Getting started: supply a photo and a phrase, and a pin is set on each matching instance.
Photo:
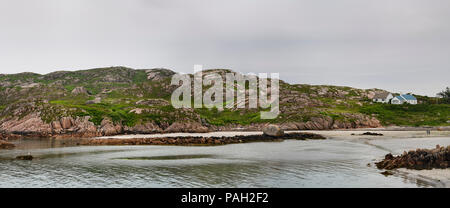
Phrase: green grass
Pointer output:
(334, 115)
(69, 87)
(304, 89)
(116, 112)
(140, 76)
(20, 76)
(410, 115)
(220, 118)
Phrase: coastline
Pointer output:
(436, 177)
(11, 135)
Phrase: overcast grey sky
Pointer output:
(397, 45)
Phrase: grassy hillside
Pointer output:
(131, 97)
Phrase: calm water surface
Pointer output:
(292, 163)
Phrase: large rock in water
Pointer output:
(418, 159)
(273, 130)
(25, 157)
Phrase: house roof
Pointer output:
(409, 97)
(400, 98)
(406, 97)
(381, 95)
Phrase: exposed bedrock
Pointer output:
(32, 125)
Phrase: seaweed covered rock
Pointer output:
(199, 140)
(372, 134)
(418, 159)
(25, 157)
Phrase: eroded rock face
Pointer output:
(79, 90)
(66, 122)
(418, 159)
(56, 125)
(324, 123)
(108, 128)
(85, 128)
(146, 128)
(273, 130)
(192, 127)
(29, 124)
(33, 125)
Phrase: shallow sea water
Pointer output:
(291, 163)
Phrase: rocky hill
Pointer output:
(118, 100)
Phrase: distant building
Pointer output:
(383, 97)
(406, 98)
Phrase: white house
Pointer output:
(406, 98)
(383, 97)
